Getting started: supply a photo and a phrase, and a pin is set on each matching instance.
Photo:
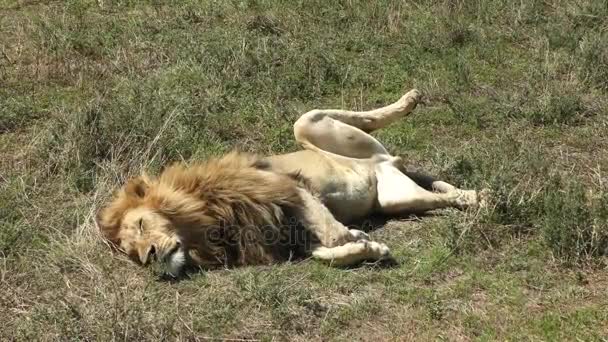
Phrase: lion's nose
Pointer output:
(152, 253)
(148, 255)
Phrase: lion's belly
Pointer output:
(351, 194)
(347, 187)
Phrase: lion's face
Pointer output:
(137, 229)
(147, 236)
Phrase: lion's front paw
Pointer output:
(352, 253)
(377, 250)
(384, 250)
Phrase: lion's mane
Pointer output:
(228, 211)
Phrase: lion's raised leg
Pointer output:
(352, 252)
(343, 132)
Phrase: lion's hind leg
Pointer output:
(352, 253)
(465, 198)
(398, 193)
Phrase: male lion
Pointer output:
(242, 209)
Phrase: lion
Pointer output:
(245, 209)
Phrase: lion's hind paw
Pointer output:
(359, 235)
(484, 196)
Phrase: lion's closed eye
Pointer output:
(140, 225)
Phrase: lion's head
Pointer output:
(222, 212)
(139, 230)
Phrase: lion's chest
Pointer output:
(350, 193)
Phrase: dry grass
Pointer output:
(94, 91)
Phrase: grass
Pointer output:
(92, 92)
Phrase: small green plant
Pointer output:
(559, 109)
(574, 225)
(435, 307)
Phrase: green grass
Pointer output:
(92, 92)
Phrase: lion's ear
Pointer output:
(138, 187)
(107, 223)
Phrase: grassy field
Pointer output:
(516, 100)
